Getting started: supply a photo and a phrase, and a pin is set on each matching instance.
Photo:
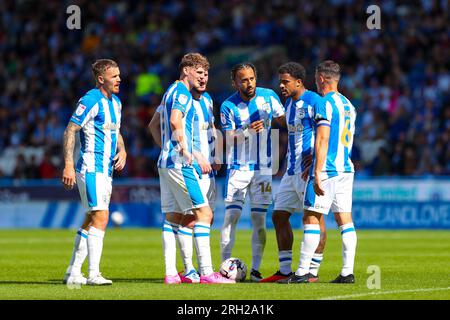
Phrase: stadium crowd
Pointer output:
(397, 77)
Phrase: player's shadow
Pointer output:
(50, 281)
(138, 280)
(59, 281)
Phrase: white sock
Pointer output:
(169, 233)
(311, 239)
(285, 261)
(186, 248)
(227, 233)
(201, 238)
(315, 263)
(79, 254)
(349, 241)
(95, 247)
(258, 236)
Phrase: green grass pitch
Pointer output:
(413, 265)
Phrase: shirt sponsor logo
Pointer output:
(295, 128)
(110, 126)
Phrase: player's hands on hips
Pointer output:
(187, 156)
(305, 174)
(68, 178)
(120, 160)
(257, 125)
(307, 161)
(205, 167)
(216, 166)
(317, 185)
(204, 164)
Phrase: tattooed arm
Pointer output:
(121, 156)
(68, 177)
(155, 128)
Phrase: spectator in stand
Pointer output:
(44, 65)
(47, 169)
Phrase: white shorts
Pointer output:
(95, 190)
(208, 186)
(181, 190)
(238, 183)
(290, 194)
(338, 195)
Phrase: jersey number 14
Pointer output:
(266, 188)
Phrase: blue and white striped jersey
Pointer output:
(178, 97)
(236, 113)
(204, 126)
(99, 119)
(301, 126)
(337, 112)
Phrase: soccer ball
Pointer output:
(117, 218)
(234, 269)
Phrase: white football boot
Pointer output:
(98, 280)
(78, 279)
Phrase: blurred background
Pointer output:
(397, 77)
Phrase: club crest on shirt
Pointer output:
(300, 113)
(266, 107)
(242, 105)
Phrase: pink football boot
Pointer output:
(172, 279)
(215, 277)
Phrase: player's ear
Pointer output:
(322, 79)
(100, 79)
(233, 84)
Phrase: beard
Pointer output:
(249, 95)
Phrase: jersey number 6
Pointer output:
(346, 133)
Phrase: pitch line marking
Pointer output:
(348, 296)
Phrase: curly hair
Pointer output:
(294, 69)
(194, 60)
